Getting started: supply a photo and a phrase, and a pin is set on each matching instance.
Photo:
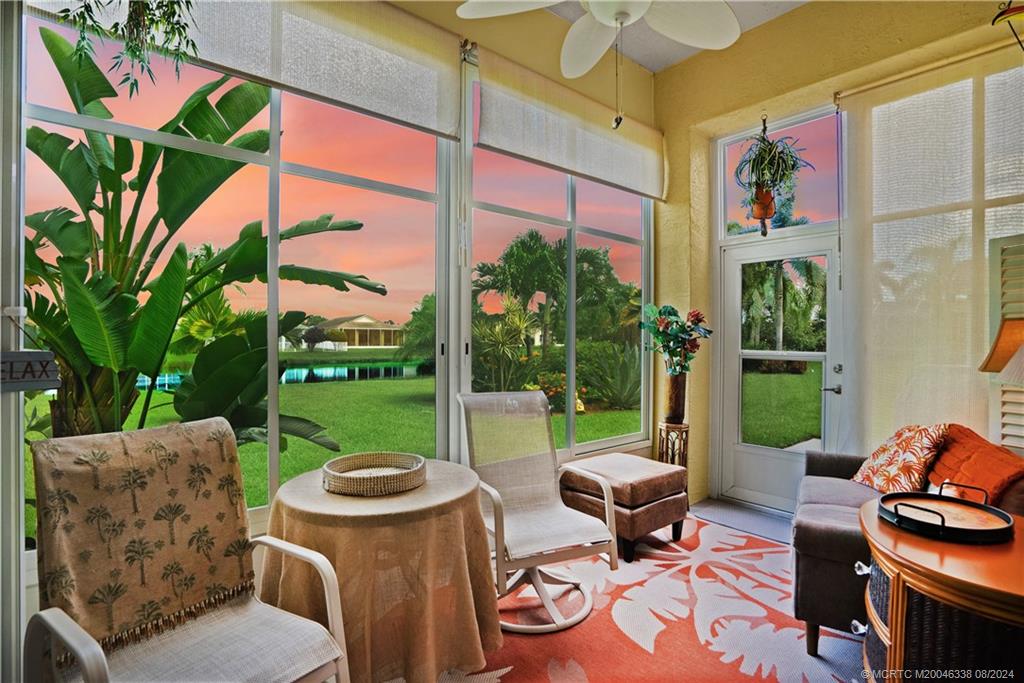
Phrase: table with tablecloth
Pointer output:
(417, 589)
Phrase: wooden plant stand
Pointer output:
(673, 443)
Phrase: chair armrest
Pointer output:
(332, 592)
(56, 623)
(499, 516)
(606, 490)
(840, 465)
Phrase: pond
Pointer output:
(301, 374)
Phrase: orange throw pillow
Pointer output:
(901, 463)
(969, 458)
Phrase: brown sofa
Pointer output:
(827, 541)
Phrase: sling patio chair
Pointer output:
(512, 449)
(145, 567)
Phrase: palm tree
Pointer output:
(94, 459)
(169, 512)
(202, 541)
(230, 486)
(138, 551)
(180, 582)
(165, 458)
(133, 481)
(107, 595)
(98, 515)
(57, 506)
(238, 549)
(220, 437)
(147, 612)
(197, 472)
(57, 584)
(112, 530)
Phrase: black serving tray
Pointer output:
(946, 516)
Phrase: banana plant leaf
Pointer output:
(68, 163)
(71, 238)
(159, 316)
(99, 315)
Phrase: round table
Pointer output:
(936, 605)
(417, 589)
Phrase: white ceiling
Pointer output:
(655, 52)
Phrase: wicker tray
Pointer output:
(374, 474)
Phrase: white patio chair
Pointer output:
(146, 572)
(512, 449)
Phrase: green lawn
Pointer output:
(781, 409)
(394, 414)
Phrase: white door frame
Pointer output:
(809, 241)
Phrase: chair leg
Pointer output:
(677, 530)
(540, 578)
(813, 630)
(628, 550)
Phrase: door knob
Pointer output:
(837, 389)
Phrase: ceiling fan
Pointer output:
(705, 24)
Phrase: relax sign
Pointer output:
(28, 370)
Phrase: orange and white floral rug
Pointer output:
(713, 606)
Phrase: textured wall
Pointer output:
(785, 66)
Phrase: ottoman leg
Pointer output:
(677, 530)
(628, 550)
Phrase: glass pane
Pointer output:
(816, 197)
(519, 309)
(600, 206)
(503, 180)
(154, 105)
(208, 224)
(783, 304)
(921, 150)
(336, 139)
(781, 404)
(609, 372)
(361, 363)
(1004, 145)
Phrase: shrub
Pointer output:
(618, 382)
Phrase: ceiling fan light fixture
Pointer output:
(616, 13)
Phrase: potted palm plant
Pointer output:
(768, 168)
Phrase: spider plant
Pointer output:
(768, 168)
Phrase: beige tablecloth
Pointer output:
(417, 592)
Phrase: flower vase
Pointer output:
(674, 411)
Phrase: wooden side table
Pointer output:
(673, 443)
(939, 606)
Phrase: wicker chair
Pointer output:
(512, 449)
(145, 566)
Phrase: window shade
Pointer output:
(933, 167)
(527, 115)
(369, 56)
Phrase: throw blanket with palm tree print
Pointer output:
(140, 531)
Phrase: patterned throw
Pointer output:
(141, 531)
(901, 463)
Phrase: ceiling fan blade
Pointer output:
(707, 24)
(485, 9)
(585, 43)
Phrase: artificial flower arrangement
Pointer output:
(677, 339)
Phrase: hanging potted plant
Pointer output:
(768, 168)
(677, 339)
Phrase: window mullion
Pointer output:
(570, 323)
(273, 295)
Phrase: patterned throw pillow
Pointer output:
(901, 463)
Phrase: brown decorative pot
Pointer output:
(676, 399)
(763, 207)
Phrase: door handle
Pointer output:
(837, 389)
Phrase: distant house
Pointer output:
(363, 331)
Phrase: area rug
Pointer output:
(713, 606)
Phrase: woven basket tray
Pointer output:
(374, 474)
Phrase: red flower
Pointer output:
(662, 322)
(695, 317)
(692, 345)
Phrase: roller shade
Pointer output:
(368, 56)
(527, 115)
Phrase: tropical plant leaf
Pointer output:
(188, 179)
(308, 430)
(159, 315)
(36, 269)
(99, 315)
(83, 80)
(330, 278)
(220, 391)
(217, 354)
(248, 259)
(324, 223)
(55, 330)
(71, 238)
(256, 329)
(68, 163)
(242, 103)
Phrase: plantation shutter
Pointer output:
(368, 56)
(532, 117)
(1006, 268)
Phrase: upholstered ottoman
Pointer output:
(648, 495)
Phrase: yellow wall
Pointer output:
(534, 40)
(788, 65)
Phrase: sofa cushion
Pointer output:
(831, 532)
(635, 481)
(901, 463)
(969, 458)
(832, 491)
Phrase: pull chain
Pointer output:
(617, 121)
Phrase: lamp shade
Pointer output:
(1013, 371)
(1008, 340)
